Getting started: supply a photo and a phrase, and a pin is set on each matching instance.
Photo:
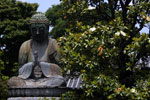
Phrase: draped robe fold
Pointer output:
(26, 57)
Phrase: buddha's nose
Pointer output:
(37, 32)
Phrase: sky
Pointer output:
(43, 4)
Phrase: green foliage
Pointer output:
(57, 21)
(14, 29)
(105, 51)
(3, 81)
(71, 95)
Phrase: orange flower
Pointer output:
(65, 17)
(100, 49)
(118, 90)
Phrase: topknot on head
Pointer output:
(39, 18)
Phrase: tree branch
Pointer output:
(124, 9)
(113, 5)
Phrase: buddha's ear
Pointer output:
(47, 26)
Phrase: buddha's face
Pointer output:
(39, 32)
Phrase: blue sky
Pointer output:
(43, 4)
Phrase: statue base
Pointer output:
(36, 93)
(34, 98)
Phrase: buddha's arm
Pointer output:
(25, 67)
(24, 53)
(57, 54)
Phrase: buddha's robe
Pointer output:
(48, 62)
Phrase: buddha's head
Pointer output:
(39, 27)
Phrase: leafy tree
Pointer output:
(14, 17)
(55, 15)
(14, 22)
(3, 80)
(104, 44)
(59, 23)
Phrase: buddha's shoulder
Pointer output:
(25, 44)
(51, 40)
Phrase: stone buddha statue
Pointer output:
(38, 58)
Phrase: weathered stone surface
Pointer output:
(39, 58)
(33, 98)
(37, 92)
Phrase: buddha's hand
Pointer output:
(36, 61)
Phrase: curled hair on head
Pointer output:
(39, 18)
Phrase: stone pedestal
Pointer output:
(33, 98)
(36, 93)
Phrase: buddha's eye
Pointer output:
(34, 29)
(41, 29)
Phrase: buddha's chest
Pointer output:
(42, 55)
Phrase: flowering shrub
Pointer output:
(105, 52)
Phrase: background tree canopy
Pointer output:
(103, 44)
(14, 30)
(55, 15)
